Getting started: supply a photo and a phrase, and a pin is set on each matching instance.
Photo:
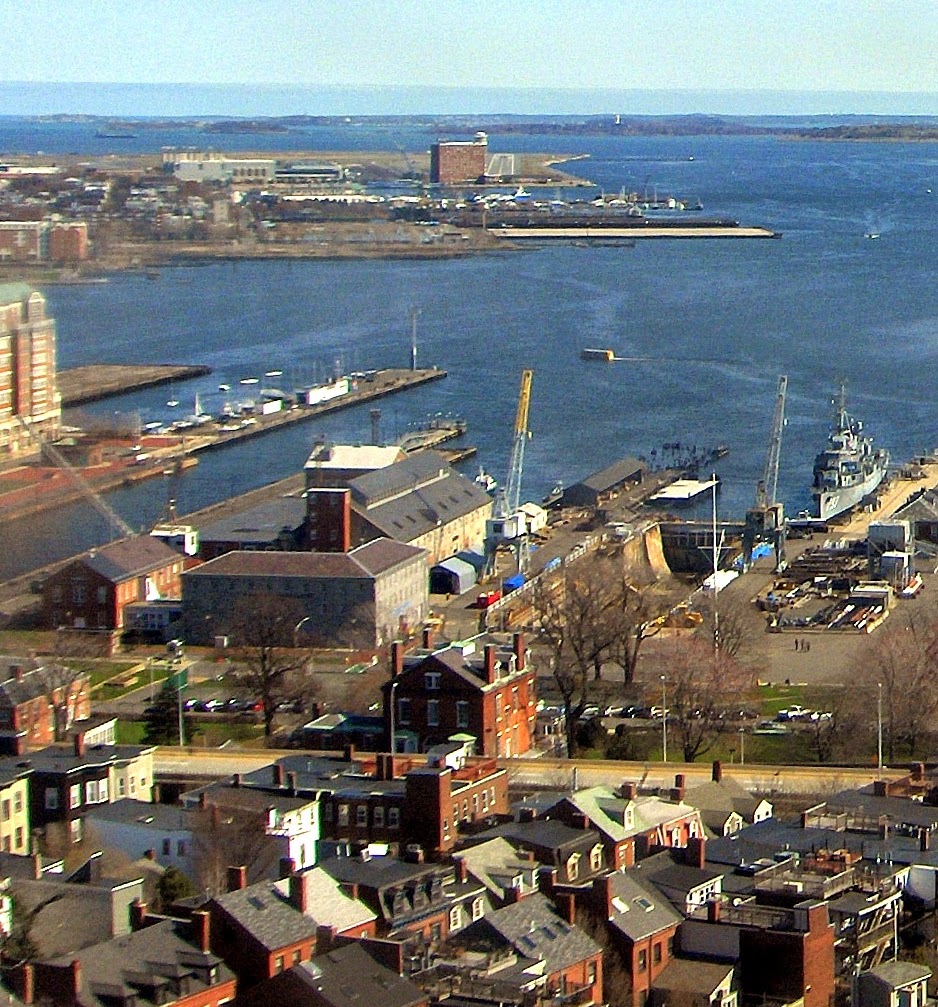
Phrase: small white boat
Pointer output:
(250, 381)
(871, 234)
(173, 403)
(272, 374)
(224, 388)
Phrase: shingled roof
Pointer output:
(131, 557)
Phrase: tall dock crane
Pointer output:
(507, 525)
(766, 520)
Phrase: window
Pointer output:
(573, 867)
(121, 786)
(591, 972)
(455, 918)
(462, 713)
(296, 957)
(431, 681)
(642, 960)
(394, 818)
(74, 795)
(102, 791)
(5, 810)
(7, 844)
(378, 816)
(403, 710)
(343, 814)
(478, 909)
(596, 858)
(433, 713)
(485, 800)
(656, 953)
(279, 963)
(361, 815)
(180, 848)
(102, 595)
(167, 847)
(19, 837)
(75, 828)
(52, 799)
(670, 947)
(436, 932)
(327, 813)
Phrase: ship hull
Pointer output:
(828, 503)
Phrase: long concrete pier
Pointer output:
(606, 234)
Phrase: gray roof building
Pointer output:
(604, 483)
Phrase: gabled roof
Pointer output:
(548, 834)
(34, 679)
(724, 796)
(132, 557)
(535, 930)
(609, 477)
(638, 910)
(53, 759)
(344, 977)
(682, 975)
(494, 862)
(160, 951)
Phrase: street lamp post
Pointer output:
(182, 726)
(393, 739)
(664, 720)
(742, 746)
(879, 729)
(298, 627)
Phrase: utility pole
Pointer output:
(879, 728)
(664, 720)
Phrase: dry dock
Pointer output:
(79, 385)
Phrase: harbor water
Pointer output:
(708, 324)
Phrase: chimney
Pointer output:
(520, 650)
(76, 980)
(203, 800)
(350, 888)
(629, 791)
(527, 814)
(28, 988)
(397, 658)
(150, 854)
(881, 788)
(37, 866)
(680, 781)
(201, 924)
(566, 905)
(490, 651)
(462, 870)
(696, 853)
(580, 821)
(325, 935)
(428, 638)
(717, 773)
(883, 829)
(237, 878)
(713, 911)
(236, 780)
(79, 743)
(138, 914)
(287, 867)
(298, 892)
(602, 895)
(547, 881)
(924, 840)
(17, 670)
(291, 784)
(511, 895)
(278, 774)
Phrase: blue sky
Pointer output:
(839, 46)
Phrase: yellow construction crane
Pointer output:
(516, 468)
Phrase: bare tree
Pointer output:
(65, 687)
(264, 631)
(901, 666)
(701, 683)
(230, 836)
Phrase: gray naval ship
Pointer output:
(848, 469)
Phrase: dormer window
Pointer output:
(573, 867)
(596, 857)
(628, 818)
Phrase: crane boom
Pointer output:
(768, 487)
(513, 493)
(117, 523)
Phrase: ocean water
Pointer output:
(714, 323)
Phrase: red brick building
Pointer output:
(38, 703)
(262, 929)
(91, 592)
(460, 691)
(68, 242)
(453, 162)
(28, 390)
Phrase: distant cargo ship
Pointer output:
(595, 354)
(848, 469)
(115, 134)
